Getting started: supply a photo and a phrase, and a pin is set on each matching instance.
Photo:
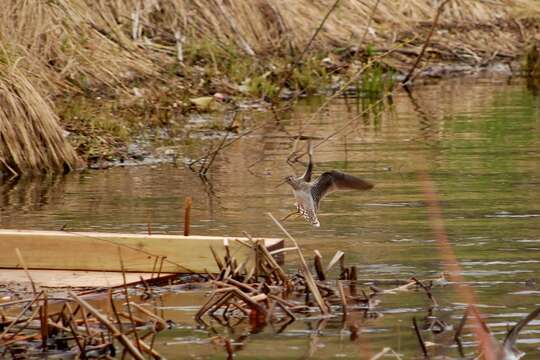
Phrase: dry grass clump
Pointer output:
(262, 26)
(31, 139)
(72, 44)
(86, 45)
(51, 48)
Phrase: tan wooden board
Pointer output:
(70, 278)
(62, 250)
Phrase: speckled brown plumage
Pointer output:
(308, 194)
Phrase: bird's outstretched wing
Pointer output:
(334, 180)
(309, 170)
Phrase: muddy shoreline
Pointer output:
(144, 146)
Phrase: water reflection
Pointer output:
(479, 139)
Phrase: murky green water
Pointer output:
(478, 139)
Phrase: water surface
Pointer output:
(478, 139)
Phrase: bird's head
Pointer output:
(292, 181)
(285, 180)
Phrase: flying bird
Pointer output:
(308, 194)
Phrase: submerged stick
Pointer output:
(342, 298)
(352, 280)
(128, 305)
(212, 300)
(23, 263)
(159, 320)
(21, 314)
(206, 166)
(427, 290)
(85, 320)
(420, 339)
(227, 144)
(459, 329)
(73, 328)
(115, 312)
(265, 254)
(229, 349)
(44, 320)
(317, 263)
(305, 270)
(123, 339)
(187, 215)
(26, 324)
(150, 350)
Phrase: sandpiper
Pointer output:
(309, 193)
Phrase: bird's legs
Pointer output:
(297, 213)
(309, 169)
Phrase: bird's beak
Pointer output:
(281, 183)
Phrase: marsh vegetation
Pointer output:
(105, 71)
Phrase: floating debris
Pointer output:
(266, 295)
(72, 326)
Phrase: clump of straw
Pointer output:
(30, 138)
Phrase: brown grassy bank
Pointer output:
(151, 57)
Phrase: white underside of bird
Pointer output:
(307, 210)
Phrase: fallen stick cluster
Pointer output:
(71, 325)
(266, 294)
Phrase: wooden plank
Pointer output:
(71, 278)
(64, 250)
